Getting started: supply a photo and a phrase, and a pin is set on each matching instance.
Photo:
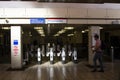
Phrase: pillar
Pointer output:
(91, 42)
(16, 48)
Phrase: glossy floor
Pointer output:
(59, 71)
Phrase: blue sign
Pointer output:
(15, 42)
(37, 21)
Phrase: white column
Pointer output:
(91, 42)
(16, 48)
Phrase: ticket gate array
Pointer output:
(52, 52)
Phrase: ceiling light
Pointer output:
(83, 31)
(56, 35)
(62, 31)
(6, 28)
(43, 35)
(100, 27)
(40, 30)
(69, 28)
(70, 34)
(38, 27)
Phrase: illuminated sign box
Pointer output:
(56, 21)
(15, 42)
(37, 21)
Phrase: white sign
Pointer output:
(56, 21)
(14, 21)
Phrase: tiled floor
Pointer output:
(58, 71)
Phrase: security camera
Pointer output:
(7, 21)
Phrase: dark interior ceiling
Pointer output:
(54, 28)
(72, 1)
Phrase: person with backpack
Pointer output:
(98, 54)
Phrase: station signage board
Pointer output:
(37, 21)
(52, 20)
(15, 47)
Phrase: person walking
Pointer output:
(97, 54)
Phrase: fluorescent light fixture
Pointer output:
(5, 28)
(38, 28)
(83, 31)
(70, 34)
(56, 35)
(62, 31)
(100, 27)
(41, 32)
(69, 28)
(42, 35)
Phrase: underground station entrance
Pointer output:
(53, 43)
(57, 51)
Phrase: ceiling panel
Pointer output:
(72, 1)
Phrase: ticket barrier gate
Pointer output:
(39, 56)
(51, 55)
(75, 59)
(63, 56)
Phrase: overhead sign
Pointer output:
(37, 21)
(56, 21)
(14, 21)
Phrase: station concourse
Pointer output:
(52, 40)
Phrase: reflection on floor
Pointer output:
(59, 71)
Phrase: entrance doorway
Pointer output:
(56, 36)
(5, 44)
